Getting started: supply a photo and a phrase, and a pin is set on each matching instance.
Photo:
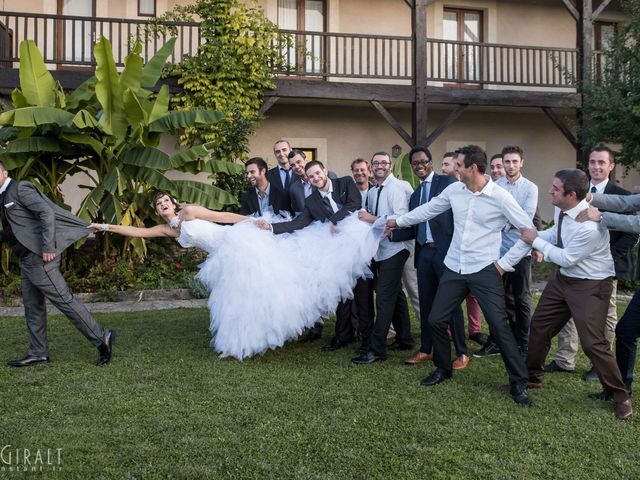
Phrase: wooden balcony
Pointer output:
(318, 65)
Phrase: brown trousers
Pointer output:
(587, 301)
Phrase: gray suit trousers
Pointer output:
(43, 280)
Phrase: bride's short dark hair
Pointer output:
(160, 194)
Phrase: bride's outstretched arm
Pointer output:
(191, 212)
(127, 231)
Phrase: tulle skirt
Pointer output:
(266, 289)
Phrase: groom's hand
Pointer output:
(48, 256)
(263, 224)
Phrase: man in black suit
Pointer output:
(601, 164)
(281, 176)
(332, 201)
(262, 196)
(432, 240)
(38, 231)
(301, 186)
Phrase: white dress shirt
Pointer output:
(393, 201)
(478, 218)
(526, 194)
(328, 194)
(5, 185)
(585, 253)
(599, 187)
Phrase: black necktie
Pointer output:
(286, 178)
(559, 238)
(327, 203)
(380, 187)
(594, 190)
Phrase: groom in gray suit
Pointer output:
(38, 231)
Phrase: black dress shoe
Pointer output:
(335, 345)
(591, 376)
(479, 338)
(554, 367)
(437, 376)
(106, 349)
(311, 336)
(367, 358)
(400, 346)
(520, 394)
(28, 361)
(603, 395)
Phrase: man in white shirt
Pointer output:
(517, 284)
(481, 210)
(580, 288)
(601, 164)
(387, 199)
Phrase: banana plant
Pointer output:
(108, 128)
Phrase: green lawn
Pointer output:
(167, 407)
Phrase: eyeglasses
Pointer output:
(421, 162)
(380, 164)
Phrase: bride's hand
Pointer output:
(263, 224)
(334, 228)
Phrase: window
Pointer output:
(462, 60)
(310, 153)
(146, 8)
(307, 16)
(75, 37)
(604, 33)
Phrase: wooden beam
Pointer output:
(562, 126)
(409, 2)
(393, 122)
(268, 103)
(572, 9)
(419, 111)
(453, 116)
(604, 4)
(365, 92)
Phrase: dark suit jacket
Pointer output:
(345, 193)
(621, 243)
(36, 222)
(278, 200)
(441, 226)
(296, 193)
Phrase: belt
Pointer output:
(430, 245)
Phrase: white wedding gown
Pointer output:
(266, 288)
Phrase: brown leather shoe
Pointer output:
(461, 362)
(419, 357)
(623, 409)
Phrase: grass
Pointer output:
(167, 407)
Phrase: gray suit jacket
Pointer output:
(36, 222)
(618, 203)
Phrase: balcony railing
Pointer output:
(67, 41)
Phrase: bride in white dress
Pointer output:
(265, 289)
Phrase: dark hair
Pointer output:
(313, 163)
(359, 160)
(573, 181)
(282, 141)
(382, 153)
(601, 147)
(420, 148)
(2, 167)
(258, 162)
(449, 154)
(497, 155)
(295, 152)
(160, 194)
(474, 155)
(512, 149)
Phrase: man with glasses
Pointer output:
(432, 240)
(387, 199)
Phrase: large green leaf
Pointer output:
(84, 140)
(109, 91)
(402, 170)
(82, 95)
(161, 106)
(8, 133)
(135, 114)
(36, 82)
(34, 116)
(18, 99)
(153, 69)
(198, 193)
(156, 179)
(190, 155)
(83, 119)
(112, 180)
(91, 204)
(13, 161)
(178, 120)
(132, 73)
(149, 157)
(34, 145)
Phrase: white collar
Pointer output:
(5, 185)
(328, 192)
(573, 212)
(599, 187)
(429, 179)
